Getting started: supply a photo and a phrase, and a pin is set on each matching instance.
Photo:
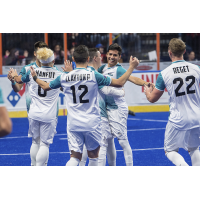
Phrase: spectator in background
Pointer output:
(100, 47)
(14, 58)
(58, 55)
(7, 53)
(70, 57)
(25, 60)
(191, 56)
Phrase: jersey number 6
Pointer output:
(82, 95)
(39, 91)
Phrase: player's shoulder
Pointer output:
(100, 70)
(91, 68)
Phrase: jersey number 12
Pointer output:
(80, 87)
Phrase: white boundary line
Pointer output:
(151, 120)
(18, 137)
(21, 154)
(146, 129)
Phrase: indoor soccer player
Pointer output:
(182, 80)
(81, 87)
(5, 122)
(117, 108)
(17, 87)
(108, 145)
(43, 110)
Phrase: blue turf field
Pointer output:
(145, 133)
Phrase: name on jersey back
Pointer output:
(77, 77)
(45, 74)
(181, 69)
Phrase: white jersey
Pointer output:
(80, 87)
(181, 79)
(44, 104)
(114, 102)
(23, 72)
(106, 90)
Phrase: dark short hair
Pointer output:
(81, 54)
(40, 44)
(177, 47)
(115, 46)
(92, 53)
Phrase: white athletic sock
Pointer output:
(42, 155)
(73, 162)
(84, 157)
(93, 162)
(34, 150)
(176, 158)
(195, 157)
(102, 156)
(111, 152)
(127, 152)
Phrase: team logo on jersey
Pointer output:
(14, 97)
(110, 74)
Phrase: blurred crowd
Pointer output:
(17, 56)
(132, 44)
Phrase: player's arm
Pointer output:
(5, 122)
(111, 91)
(137, 81)
(16, 86)
(45, 86)
(122, 80)
(15, 77)
(154, 94)
(68, 66)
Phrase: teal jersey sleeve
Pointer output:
(23, 71)
(120, 71)
(101, 69)
(55, 83)
(1, 97)
(102, 80)
(160, 84)
(25, 78)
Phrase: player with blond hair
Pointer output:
(80, 87)
(182, 81)
(43, 110)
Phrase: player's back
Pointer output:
(44, 104)
(182, 79)
(81, 90)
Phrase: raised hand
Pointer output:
(134, 62)
(33, 73)
(68, 66)
(10, 77)
(13, 73)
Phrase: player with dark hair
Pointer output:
(81, 87)
(117, 108)
(108, 145)
(182, 81)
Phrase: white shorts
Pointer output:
(118, 122)
(175, 139)
(91, 139)
(45, 131)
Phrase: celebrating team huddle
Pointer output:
(95, 102)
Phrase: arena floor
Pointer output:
(145, 133)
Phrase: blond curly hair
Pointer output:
(44, 53)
